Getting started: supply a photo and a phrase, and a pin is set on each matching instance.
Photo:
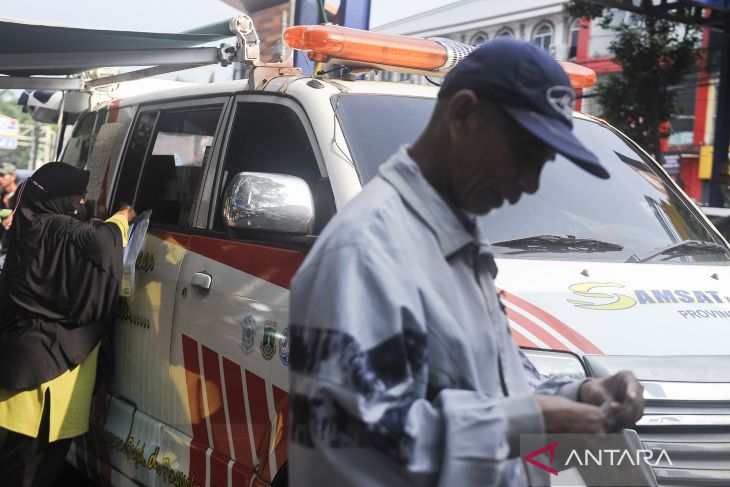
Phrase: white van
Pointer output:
(596, 276)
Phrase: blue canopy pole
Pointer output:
(306, 12)
(353, 13)
(357, 14)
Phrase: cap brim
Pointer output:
(560, 137)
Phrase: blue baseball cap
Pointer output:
(531, 87)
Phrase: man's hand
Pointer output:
(561, 415)
(621, 393)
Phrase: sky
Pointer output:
(171, 16)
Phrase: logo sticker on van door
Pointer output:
(268, 342)
(248, 334)
(601, 300)
(616, 301)
(284, 347)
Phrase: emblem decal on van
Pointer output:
(248, 334)
(268, 341)
(284, 347)
(616, 301)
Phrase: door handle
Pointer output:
(202, 280)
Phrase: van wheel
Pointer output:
(282, 477)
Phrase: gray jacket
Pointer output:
(403, 370)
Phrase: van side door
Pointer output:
(169, 151)
(231, 314)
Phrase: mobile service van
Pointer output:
(596, 276)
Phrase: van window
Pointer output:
(133, 159)
(270, 137)
(634, 212)
(96, 145)
(174, 169)
(77, 149)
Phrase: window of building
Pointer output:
(601, 37)
(505, 32)
(573, 39)
(543, 36)
(479, 38)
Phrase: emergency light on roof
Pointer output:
(428, 57)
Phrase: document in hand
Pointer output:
(137, 234)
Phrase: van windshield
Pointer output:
(635, 216)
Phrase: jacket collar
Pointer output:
(453, 228)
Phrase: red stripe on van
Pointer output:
(237, 413)
(198, 445)
(521, 340)
(214, 395)
(535, 329)
(281, 405)
(218, 469)
(239, 476)
(580, 342)
(259, 407)
(197, 468)
(178, 239)
(269, 263)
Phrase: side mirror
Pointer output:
(270, 203)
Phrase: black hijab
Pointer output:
(60, 281)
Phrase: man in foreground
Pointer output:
(403, 370)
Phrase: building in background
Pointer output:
(687, 151)
(478, 21)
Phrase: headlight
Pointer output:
(556, 365)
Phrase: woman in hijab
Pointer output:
(58, 292)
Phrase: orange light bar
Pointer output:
(580, 76)
(329, 41)
(325, 42)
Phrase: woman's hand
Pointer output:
(127, 211)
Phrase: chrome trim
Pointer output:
(690, 421)
(686, 391)
(634, 442)
(686, 448)
(455, 52)
(716, 477)
(269, 202)
(676, 368)
(684, 420)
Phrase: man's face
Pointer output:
(6, 179)
(495, 160)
